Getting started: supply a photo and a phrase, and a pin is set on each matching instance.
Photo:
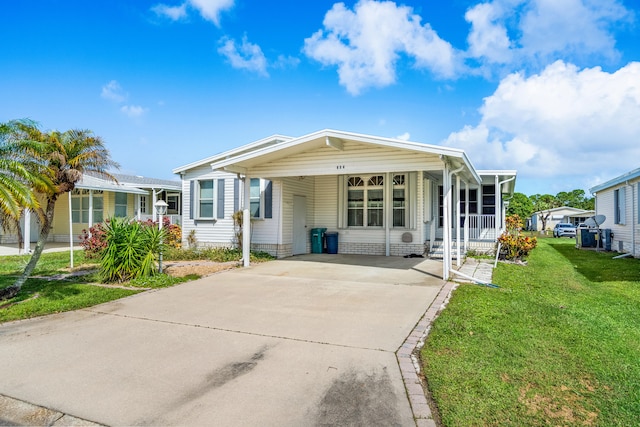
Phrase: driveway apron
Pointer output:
(303, 341)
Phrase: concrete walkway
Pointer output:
(309, 340)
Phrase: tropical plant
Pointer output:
(18, 176)
(93, 241)
(60, 159)
(514, 245)
(131, 250)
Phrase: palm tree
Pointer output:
(63, 158)
(18, 175)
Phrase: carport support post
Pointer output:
(466, 217)
(458, 240)
(446, 229)
(246, 223)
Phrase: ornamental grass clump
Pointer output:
(131, 251)
(513, 245)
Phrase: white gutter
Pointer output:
(634, 220)
(446, 232)
(499, 191)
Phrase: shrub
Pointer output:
(515, 246)
(131, 250)
(93, 241)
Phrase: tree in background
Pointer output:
(543, 203)
(62, 158)
(576, 199)
(520, 205)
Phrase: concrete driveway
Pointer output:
(307, 340)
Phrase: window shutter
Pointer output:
(412, 198)
(236, 195)
(220, 199)
(623, 205)
(191, 198)
(268, 200)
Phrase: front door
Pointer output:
(299, 225)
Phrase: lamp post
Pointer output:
(161, 209)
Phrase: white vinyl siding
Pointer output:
(353, 160)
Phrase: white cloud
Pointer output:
(286, 62)
(113, 92)
(174, 13)
(133, 111)
(208, 9)
(405, 136)
(367, 42)
(532, 32)
(562, 122)
(246, 56)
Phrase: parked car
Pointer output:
(564, 229)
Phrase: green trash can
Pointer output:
(317, 240)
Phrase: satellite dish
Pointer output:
(595, 221)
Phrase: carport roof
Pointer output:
(277, 146)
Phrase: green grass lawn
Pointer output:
(557, 344)
(46, 292)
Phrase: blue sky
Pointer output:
(549, 88)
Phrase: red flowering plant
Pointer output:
(93, 241)
(513, 245)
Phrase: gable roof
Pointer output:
(264, 142)
(616, 181)
(563, 208)
(276, 146)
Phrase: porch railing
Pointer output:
(482, 227)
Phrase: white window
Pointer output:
(121, 205)
(80, 206)
(365, 201)
(399, 201)
(205, 198)
(260, 198)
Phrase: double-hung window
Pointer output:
(260, 198)
(80, 206)
(205, 199)
(121, 205)
(365, 201)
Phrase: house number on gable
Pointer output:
(341, 167)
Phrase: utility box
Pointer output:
(607, 235)
(332, 242)
(317, 240)
(586, 238)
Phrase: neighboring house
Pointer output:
(383, 196)
(619, 201)
(557, 215)
(95, 199)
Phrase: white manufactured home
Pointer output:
(382, 196)
(619, 201)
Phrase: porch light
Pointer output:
(161, 209)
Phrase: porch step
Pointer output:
(437, 251)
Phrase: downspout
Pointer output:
(389, 216)
(466, 217)
(457, 198)
(446, 227)
(499, 193)
(634, 220)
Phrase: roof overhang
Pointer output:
(243, 161)
(634, 174)
(97, 184)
